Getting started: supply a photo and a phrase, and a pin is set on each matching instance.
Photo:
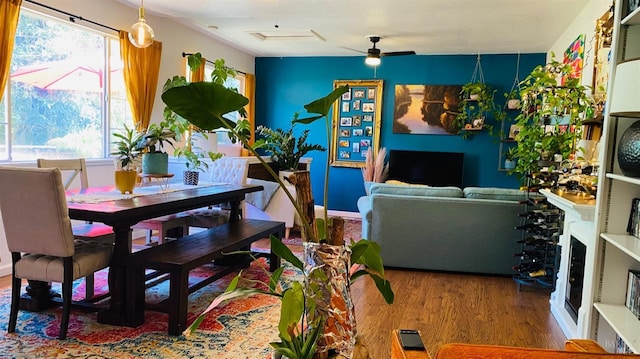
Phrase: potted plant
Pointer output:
(510, 159)
(195, 160)
(512, 99)
(376, 167)
(476, 103)
(154, 159)
(286, 150)
(126, 150)
(204, 104)
(550, 120)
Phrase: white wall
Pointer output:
(584, 23)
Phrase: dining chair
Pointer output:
(45, 251)
(223, 170)
(76, 168)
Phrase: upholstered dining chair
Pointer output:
(44, 250)
(76, 168)
(223, 170)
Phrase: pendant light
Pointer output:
(141, 34)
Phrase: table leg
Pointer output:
(122, 310)
(38, 296)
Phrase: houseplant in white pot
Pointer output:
(285, 148)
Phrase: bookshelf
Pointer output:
(617, 251)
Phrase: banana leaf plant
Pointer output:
(204, 104)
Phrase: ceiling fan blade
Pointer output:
(397, 53)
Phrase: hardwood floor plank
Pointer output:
(448, 307)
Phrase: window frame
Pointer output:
(110, 47)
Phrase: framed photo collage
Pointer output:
(356, 122)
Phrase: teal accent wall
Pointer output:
(285, 85)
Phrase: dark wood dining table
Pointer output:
(122, 214)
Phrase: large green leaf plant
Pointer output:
(554, 105)
(205, 104)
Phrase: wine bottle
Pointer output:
(543, 272)
(526, 268)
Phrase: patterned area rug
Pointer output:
(239, 329)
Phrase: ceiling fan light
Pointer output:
(141, 34)
(372, 60)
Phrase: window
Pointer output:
(65, 93)
(224, 144)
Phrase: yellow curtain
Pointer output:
(198, 76)
(9, 13)
(141, 69)
(250, 93)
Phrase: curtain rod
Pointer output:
(72, 17)
(185, 54)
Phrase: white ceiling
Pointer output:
(340, 27)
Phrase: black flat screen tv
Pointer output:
(426, 167)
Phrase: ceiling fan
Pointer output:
(374, 54)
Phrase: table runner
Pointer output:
(114, 195)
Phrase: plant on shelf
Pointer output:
(477, 102)
(285, 149)
(510, 159)
(512, 99)
(550, 119)
(305, 320)
(126, 151)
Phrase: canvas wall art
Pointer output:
(426, 109)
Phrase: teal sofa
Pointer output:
(444, 228)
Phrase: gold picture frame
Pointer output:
(356, 122)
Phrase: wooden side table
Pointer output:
(397, 352)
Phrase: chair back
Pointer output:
(72, 167)
(229, 170)
(34, 211)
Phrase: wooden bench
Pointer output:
(180, 256)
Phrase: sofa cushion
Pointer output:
(504, 194)
(416, 190)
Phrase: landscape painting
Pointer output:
(426, 109)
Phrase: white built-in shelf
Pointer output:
(624, 242)
(623, 178)
(632, 19)
(623, 322)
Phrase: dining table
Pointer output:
(121, 211)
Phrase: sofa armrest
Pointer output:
(364, 207)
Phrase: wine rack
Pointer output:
(539, 257)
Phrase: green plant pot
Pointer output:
(155, 163)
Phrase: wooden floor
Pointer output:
(449, 308)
